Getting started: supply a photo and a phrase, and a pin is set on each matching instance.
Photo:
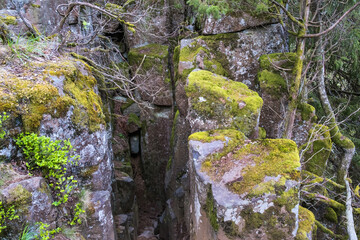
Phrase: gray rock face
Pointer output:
(40, 13)
(155, 147)
(235, 22)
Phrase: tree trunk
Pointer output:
(298, 68)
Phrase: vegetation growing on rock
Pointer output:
(229, 103)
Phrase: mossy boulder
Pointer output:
(235, 55)
(151, 62)
(317, 149)
(51, 88)
(243, 189)
(217, 102)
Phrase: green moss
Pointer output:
(331, 215)
(328, 231)
(35, 5)
(127, 104)
(262, 133)
(31, 100)
(307, 112)
(282, 60)
(312, 179)
(80, 87)
(133, 118)
(271, 157)
(20, 198)
(217, 98)
(211, 210)
(317, 153)
(289, 198)
(306, 224)
(214, 135)
(188, 53)
(328, 201)
(272, 83)
(172, 138)
(9, 20)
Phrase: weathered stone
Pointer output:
(234, 55)
(155, 150)
(42, 14)
(234, 22)
(154, 79)
(32, 201)
(99, 215)
(217, 102)
(243, 189)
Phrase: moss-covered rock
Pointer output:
(276, 62)
(273, 83)
(307, 226)
(234, 55)
(51, 88)
(317, 149)
(254, 184)
(218, 102)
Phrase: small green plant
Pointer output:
(28, 234)
(6, 215)
(77, 215)
(44, 232)
(3, 117)
(51, 157)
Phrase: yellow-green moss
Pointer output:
(262, 133)
(310, 178)
(211, 210)
(20, 198)
(152, 57)
(31, 100)
(271, 157)
(317, 153)
(217, 98)
(9, 20)
(88, 172)
(331, 215)
(307, 226)
(80, 86)
(272, 83)
(328, 231)
(283, 60)
(221, 134)
(307, 112)
(289, 198)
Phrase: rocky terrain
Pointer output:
(193, 149)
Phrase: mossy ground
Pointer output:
(216, 98)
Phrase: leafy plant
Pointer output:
(6, 215)
(51, 157)
(44, 232)
(77, 213)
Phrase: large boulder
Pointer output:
(60, 99)
(243, 189)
